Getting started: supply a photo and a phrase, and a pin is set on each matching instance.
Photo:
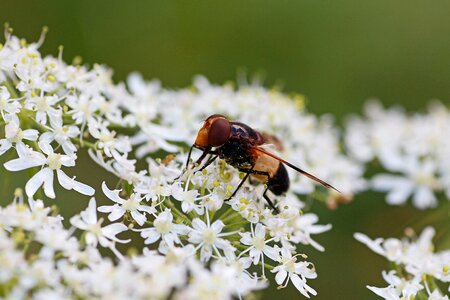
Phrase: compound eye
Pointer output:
(219, 132)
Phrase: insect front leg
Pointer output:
(189, 156)
(199, 160)
(210, 160)
(206, 151)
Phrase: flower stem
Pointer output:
(178, 212)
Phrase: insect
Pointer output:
(245, 149)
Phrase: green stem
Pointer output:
(432, 284)
(84, 143)
(236, 224)
(240, 246)
(232, 217)
(178, 212)
(226, 213)
(267, 266)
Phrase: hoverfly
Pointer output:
(243, 148)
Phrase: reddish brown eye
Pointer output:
(219, 132)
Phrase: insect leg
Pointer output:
(189, 157)
(205, 152)
(248, 172)
(265, 191)
(251, 171)
(208, 162)
(270, 201)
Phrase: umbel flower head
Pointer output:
(419, 268)
(194, 237)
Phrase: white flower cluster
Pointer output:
(50, 111)
(413, 149)
(198, 244)
(308, 141)
(39, 257)
(418, 271)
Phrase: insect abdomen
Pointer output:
(279, 183)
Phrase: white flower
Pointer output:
(391, 248)
(417, 260)
(420, 182)
(95, 233)
(188, 199)
(60, 133)
(398, 288)
(107, 140)
(8, 105)
(436, 295)
(258, 245)
(297, 272)
(15, 135)
(388, 293)
(53, 162)
(132, 205)
(82, 108)
(304, 225)
(164, 228)
(154, 138)
(43, 105)
(209, 238)
(221, 282)
(412, 148)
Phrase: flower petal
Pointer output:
(112, 194)
(19, 164)
(48, 184)
(89, 215)
(70, 183)
(36, 181)
(111, 230)
(116, 213)
(281, 276)
(138, 217)
(198, 224)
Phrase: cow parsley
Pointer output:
(418, 269)
(172, 232)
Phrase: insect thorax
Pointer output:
(236, 153)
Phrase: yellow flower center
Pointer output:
(209, 236)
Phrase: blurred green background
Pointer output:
(336, 53)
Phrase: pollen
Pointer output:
(18, 192)
(244, 201)
(51, 78)
(54, 161)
